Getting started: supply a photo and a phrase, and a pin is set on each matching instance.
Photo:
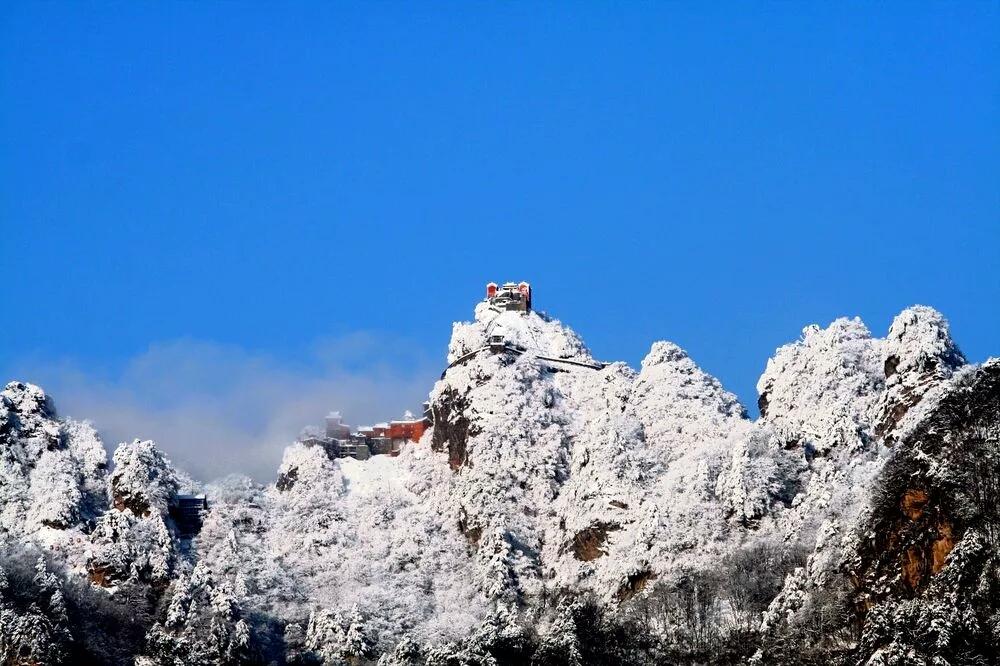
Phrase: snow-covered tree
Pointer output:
(143, 480)
(51, 470)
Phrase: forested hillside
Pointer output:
(560, 510)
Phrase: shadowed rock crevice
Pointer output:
(472, 533)
(452, 428)
(634, 584)
(286, 480)
(137, 505)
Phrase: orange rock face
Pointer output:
(942, 546)
(927, 556)
(913, 503)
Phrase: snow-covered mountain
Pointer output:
(560, 510)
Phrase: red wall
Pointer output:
(407, 430)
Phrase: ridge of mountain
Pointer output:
(554, 498)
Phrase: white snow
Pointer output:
(374, 478)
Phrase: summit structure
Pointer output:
(511, 296)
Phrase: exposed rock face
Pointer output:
(932, 492)
(473, 533)
(634, 584)
(929, 551)
(286, 479)
(452, 427)
(133, 543)
(587, 543)
(143, 479)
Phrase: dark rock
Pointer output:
(452, 428)
(137, 505)
(287, 479)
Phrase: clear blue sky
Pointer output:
(260, 176)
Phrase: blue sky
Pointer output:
(306, 195)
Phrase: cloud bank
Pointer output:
(217, 409)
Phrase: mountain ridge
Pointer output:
(548, 482)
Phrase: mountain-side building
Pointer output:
(385, 438)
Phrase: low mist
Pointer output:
(217, 409)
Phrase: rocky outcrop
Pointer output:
(286, 479)
(843, 409)
(587, 544)
(634, 584)
(143, 480)
(452, 427)
(929, 552)
(818, 391)
(932, 491)
(133, 542)
(919, 355)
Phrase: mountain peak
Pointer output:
(919, 339)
